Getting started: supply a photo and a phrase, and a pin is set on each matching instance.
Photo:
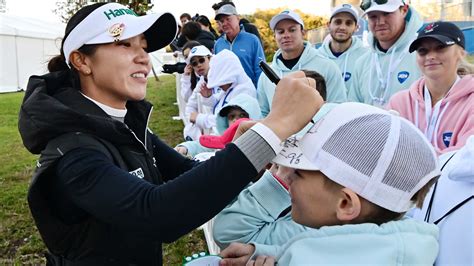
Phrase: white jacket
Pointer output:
(455, 186)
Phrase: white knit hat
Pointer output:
(382, 157)
(114, 22)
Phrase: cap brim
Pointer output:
(274, 21)
(292, 156)
(441, 38)
(382, 8)
(222, 14)
(162, 32)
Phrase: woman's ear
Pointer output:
(78, 61)
(348, 206)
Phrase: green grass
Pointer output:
(20, 242)
(470, 58)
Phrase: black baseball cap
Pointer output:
(445, 32)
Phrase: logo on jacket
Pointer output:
(402, 76)
(447, 138)
(347, 76)
(138, 173)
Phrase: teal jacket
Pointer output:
(404, 242)
(345, 61)
(310, 59)
(246, 102)
(375, 87)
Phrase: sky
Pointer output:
(42, 9)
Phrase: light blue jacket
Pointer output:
(375, 87)
(310, 59)
(404, 242)
(246, 102)
(248, 49)
(345, 61)
(254, 216)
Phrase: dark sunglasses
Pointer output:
(367, 3)
(201, 60)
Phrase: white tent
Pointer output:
(26, 45)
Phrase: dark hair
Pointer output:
(185, 15)
(58, 63)
(190, 45)
(320, 82)
(206, 22)
(216, 6)
(191, 30)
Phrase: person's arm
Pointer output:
(186, 90)
(255, 216)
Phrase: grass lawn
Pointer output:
(20, 242)
(470, 58)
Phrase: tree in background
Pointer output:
(261, 19)
(66, 8)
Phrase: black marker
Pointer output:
(271, 75)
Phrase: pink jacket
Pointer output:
(456, 116)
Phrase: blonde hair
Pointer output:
(465, 68)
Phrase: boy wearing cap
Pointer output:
(357, 171)
(242, 106)
(440, 103)
(246, 46)
(388, 67)
(344, 48)
(294, 54)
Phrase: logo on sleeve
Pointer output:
(347, 76)
(447, 138)
(138, 173)
(402, 76)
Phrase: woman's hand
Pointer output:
(205, 91)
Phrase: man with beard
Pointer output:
(343, 48)
(388, 67)
(295, 54)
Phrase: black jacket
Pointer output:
(89, 210)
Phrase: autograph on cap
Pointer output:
(116, 31)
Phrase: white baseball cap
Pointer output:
(114, 22)
(199, 50)
(226, 10)
(388, 6)
(345, 8)
(382, 157)
(286, 14)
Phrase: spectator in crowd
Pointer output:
(198, 58)
(356, 172)
(295, 54)
(440, 103)
(388, 67)
(261, 213)
(98, 195)
(465, 68)
(450, 206)
(244, 23)
(206, 25)
(188, 78)
(180, 40)
(246, 46)
(192, 32)
(344, 48)
(242, 106)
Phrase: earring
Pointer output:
(87, 71)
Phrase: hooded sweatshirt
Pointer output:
(455, 119)
(345, 60)
(455, 188)
(404, 242)
(310, 59)
(248, 103)
(378, 75)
